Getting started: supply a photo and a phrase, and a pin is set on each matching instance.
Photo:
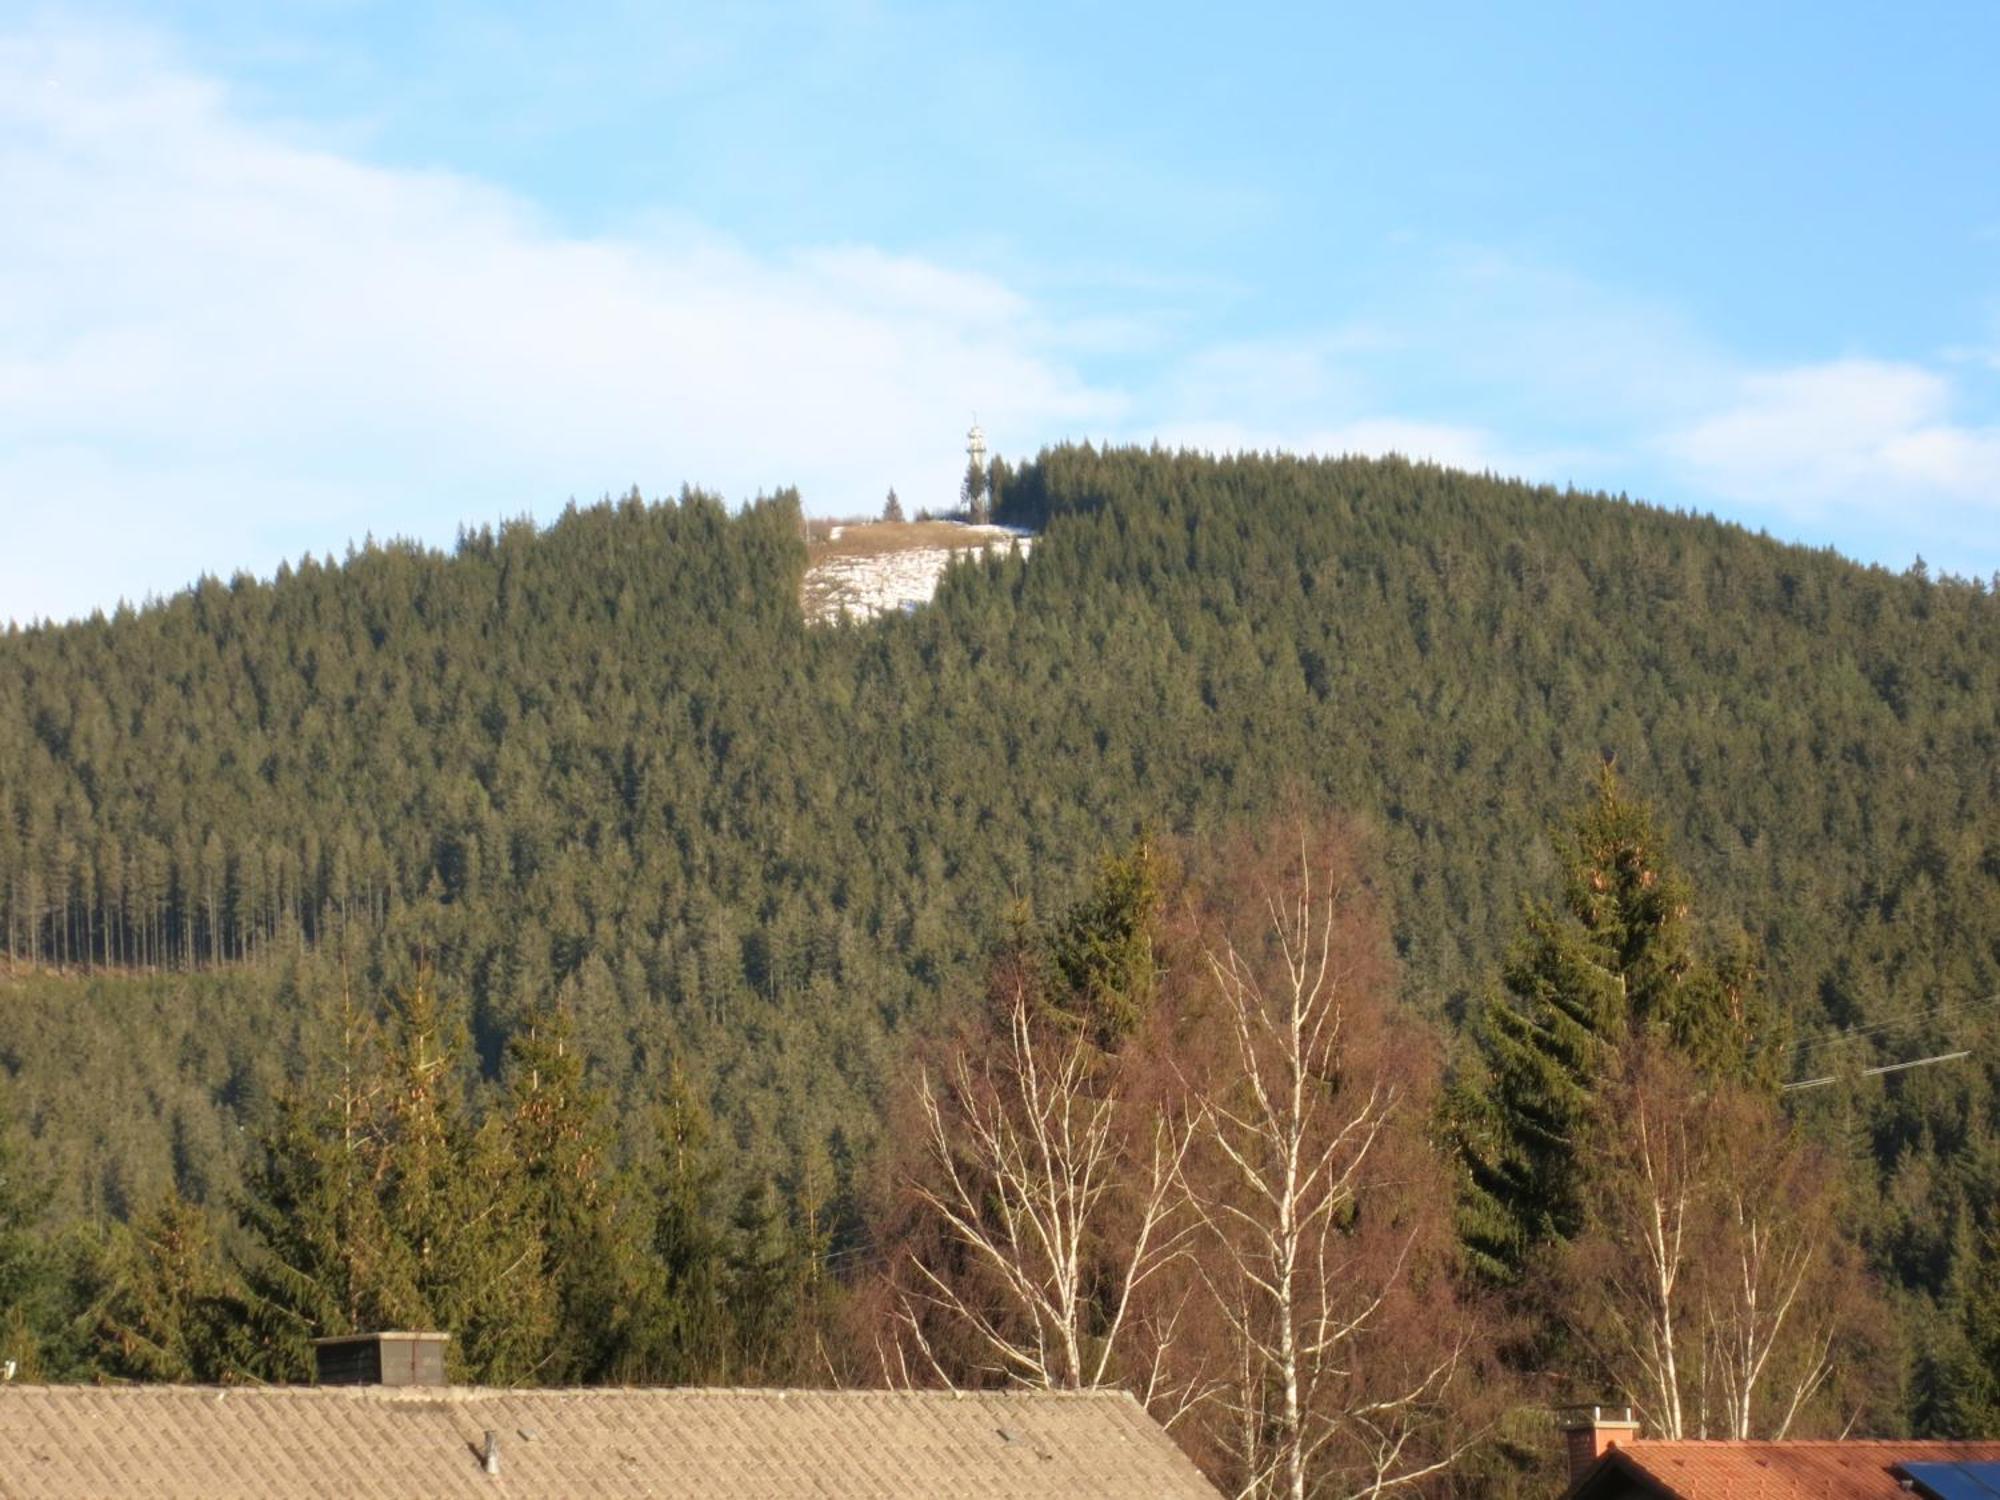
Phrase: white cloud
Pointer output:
(221, 343)
(1848, 435)
(275, 344)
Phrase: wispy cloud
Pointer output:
(1853, 432)
(1853, 448)
(1480, 361)
(221, 343)
(275, 345)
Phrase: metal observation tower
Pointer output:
(975, 472)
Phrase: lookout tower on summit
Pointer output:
(977, 506)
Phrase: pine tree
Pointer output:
(167, 1304)
(767, 1277)
(561, 1138)
(323, 1260)
(1615, 955)
(975, 493)
(1958, 1369)
(684, 1335)
(379, 1204)
(458, 1202)
(892, 508)
(28, 1282)
(1100, 953)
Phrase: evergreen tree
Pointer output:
(561, 1139)
(379, 1204)
(1100, 953)
(1958, 1366)
(457, 1202)
(29, 1286)
(974, 488)
(769, 1273)
(167, 1304)
(1613, 956)
(684, 1334)
(323, 1260)
(892, 508)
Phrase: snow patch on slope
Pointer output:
(867, 584)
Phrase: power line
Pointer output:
(1890, 1023)
(1921, 1062)
(1886, 1023)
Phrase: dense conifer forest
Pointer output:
(604, 770)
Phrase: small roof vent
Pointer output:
(380, 1359)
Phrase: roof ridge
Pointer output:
(463, 1392)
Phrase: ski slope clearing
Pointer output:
(871, 568)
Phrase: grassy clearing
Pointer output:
(872, 566)
(878, 538)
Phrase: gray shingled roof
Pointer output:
(60, 1442)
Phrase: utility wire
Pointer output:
(1942, 1010)
(1890, 1023)
(1921, 1062)
(1837, 1035)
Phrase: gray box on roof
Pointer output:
(380, 1359)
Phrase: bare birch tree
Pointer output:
(1057, 1206)
(1228, 1205)
(1781, 1304)
(1714, 1284)
(1292, 1174)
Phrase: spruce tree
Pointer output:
(323, 1260)
(28, 1283)
(167, 1305)
(1101, 964)
(975, 493)
(768, 1276)
(456, 1199)
(684, 1334)
(1964, 1381)
(1612, 957)
(561, 1138)
(379, 1204)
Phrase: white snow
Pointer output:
(872, 585)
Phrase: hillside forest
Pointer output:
(571, 884)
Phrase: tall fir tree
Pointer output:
(769, 1275)
(168, 1304)
(684, 1334)
(1100, 957)
(456, 1198)
(561, 1136)
(1613, 956)
(322, 1259)
(1958, 1364)
(379, 1203)
(29, 1285)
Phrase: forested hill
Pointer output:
(610, 759)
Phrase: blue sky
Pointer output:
(278, 277)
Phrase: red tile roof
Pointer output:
(1711, 1470)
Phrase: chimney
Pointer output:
(1590, 1432)
(380, 1359)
